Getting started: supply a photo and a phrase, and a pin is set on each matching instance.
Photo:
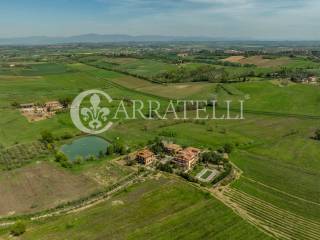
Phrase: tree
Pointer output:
(65, 102)
(228, 147)
(211, 157)
(165, 167)
(18, 229)
(47, 137)
(157, 146)
(317, 134)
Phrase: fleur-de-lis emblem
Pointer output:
(95, 114)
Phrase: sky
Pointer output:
(234, 19)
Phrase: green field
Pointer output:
(157, 209)
(273, 147)
(170, 91)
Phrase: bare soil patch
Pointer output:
(234, 59)
(259, 61)
(33, 116)
(40, 186)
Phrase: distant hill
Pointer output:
(99, 38)
(123, 38)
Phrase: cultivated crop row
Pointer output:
(279, 222)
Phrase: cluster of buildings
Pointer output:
(185, 158)
(233, 52)
(34, 112)
(310, 80)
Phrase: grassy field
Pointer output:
(157, 209)
(35, 69)
(170, 91)
(266, 96)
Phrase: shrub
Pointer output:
(63, 160)
(92, 158)
(15, 104)
(66, 135)
(119, 148)
(60, 157)
(18, 229)
(78, 160)
(166, 167)
(47, 137)
(188, 177)
(110, 150)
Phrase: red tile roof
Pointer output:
(145, 153)
(188, 154)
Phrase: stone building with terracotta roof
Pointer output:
(53, 106)
(145, 157)
(172, 148)
(187, 157)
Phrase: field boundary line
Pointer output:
(275, 114)
(280, 191)
(90, 201)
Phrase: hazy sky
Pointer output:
(262, 19)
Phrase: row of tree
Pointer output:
(204, 73)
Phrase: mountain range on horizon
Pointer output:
(116, 38)
(100, 38)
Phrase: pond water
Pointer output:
(85, 147)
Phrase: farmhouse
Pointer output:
(187, 157)
(233, 52)
(310, 80)
(53, 106)
(34, 112)
(172, 149)
(184, 54)
(145, 157)
(27, 105)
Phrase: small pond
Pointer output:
(84, 147)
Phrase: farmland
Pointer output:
(260, 61)
(145, 210)
(173, 91)
(21, 154)
(274, 148)
(39, 187)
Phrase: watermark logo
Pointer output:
(88, 114)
